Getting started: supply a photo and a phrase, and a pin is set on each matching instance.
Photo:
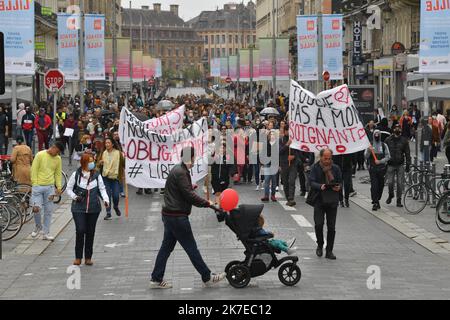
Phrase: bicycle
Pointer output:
(417, 196)
(443, 212)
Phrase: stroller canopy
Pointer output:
(244, 221)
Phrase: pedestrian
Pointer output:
(4, 130)
(220, 173)
(289, 159)
(400, 153)
(378, 156)
(28, 126)
(20, 114)
(46, 173)
(85, 188)
(179, 197)
(326, 183)
(110, 167)
(43, 124)
(270, 170)
(447, 143)
(406, 124)
(21, 159)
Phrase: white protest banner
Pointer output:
(151, 156)
(328, 120)
(165, 125)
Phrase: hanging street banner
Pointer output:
(109, 58)
(136, 58)
(357, 43)
(94, 49)
(17, 25)
(434, 56)
(158, 68)
(333, 60)
(328, 120)
(224, 68)
(151, 156)
(244, 67)
(265, 59)
(255, 65)
(68, 49)
(233, 68)
(215, 67)
(283, 70)
(308, 69)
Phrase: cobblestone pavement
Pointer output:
(125, 251)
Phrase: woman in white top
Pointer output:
(86, 187)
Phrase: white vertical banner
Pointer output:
(94, 41)
(333, 60)
(308, 51)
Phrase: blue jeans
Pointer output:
(40, 199)
(179, 229)
(257, 171)
(112, 188)
(268, 188)
(28, 138)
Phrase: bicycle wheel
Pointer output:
(443, 213)
(64, 182)
(15, 224)
(415, 199)
(5, 218)
(23, 193)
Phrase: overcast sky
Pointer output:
(188, 8)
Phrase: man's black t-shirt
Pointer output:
(4, 121)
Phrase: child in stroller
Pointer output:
(280, 245)
(260, 255)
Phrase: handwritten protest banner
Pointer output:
(150, 156)
(328, 120)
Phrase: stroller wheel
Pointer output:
(231, 264)
(289, 274)
(239, 276)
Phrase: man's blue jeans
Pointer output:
(40, 199)
(179, 229)
(112, 188)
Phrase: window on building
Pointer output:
(199, 51)
(223, 52)
(248, 40)
(212, 53)
(218, 39)
(206, 39)
(193, 52)
(177, 52)
(236, 39)
(218, 53)
(169, 52)
(206, 53)
(212, 39)
(230, 51)
(254, 39)
(230, 39)
(237, 50)
(224, 39)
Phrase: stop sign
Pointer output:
(151, 82)
(54, 80)
(228, 80)
(326, 76)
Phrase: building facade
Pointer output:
(227, 30)
(164, 35)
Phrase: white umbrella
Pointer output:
(166, 105)
(269, 112)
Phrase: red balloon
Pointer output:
(229, 200)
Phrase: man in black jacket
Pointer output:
(289, 162)
(179, 197)
(399, 150)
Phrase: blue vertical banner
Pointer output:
(68, 47)
(434, 37)
(158, 68)
(333, 60)
(94, 41)
(17, 25)
(308, 68)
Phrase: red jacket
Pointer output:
(48, 122)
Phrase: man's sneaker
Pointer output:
(274, 199)
(265, 199)
(215, 279)
(257, 188)
(36, 232)
(123, 195)
(48, 237)
(306, 195)
(399, 204)
(160, 285)
(389, 200)
(353, 194)
(108, 217)
(118, 213)
(291, 243)
(292, 251)
(291, 203)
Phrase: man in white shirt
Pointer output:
(20, 115)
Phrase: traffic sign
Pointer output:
(326, 76)
(228, 80)
(54, 80)
(151, 82)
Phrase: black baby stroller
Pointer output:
(260, 256)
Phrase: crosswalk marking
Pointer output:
(301, 221)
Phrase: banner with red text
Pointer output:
(328, 120)
(94, 47)
(151, 156)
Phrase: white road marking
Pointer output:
(186, 289)
(28, 274)
(109, 294)
(312, 235)
(53, 268)
(302, 221)
(109, 268)
(115, 244)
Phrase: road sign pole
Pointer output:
(55, 127)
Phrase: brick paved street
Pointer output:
(125, 251)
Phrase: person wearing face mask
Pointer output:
(85, 188)
(378, 156)
(400, 154)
